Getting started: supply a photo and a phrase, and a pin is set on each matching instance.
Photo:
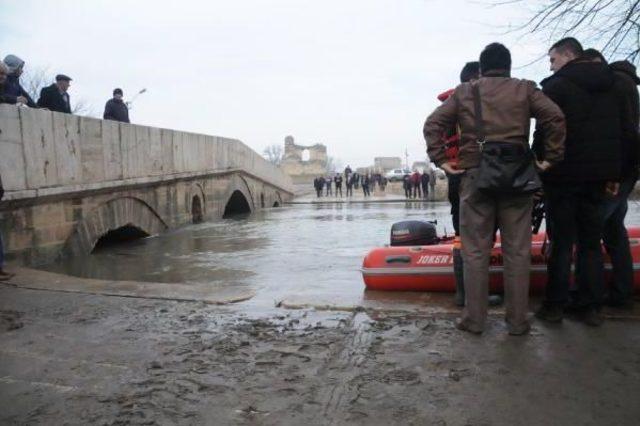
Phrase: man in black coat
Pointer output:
(56, 96)
(615, 236)
(576, 188)
(116, 109)
(338, 181)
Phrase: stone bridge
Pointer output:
(72, 182)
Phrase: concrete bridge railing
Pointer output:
(70, 181)
(43, 153)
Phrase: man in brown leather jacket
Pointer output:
(508, 104)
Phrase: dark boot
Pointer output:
(459, 277)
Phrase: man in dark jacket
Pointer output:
(615, 236)
(576, 189)
(406, 185)
(338, 181)
(349, 182)
(56, 96)
(424, 180)
(12, 86)
(116, 109)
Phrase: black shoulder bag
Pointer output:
(505, 168)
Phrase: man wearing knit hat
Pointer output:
(116, 109)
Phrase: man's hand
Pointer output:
(450, 169)
(21, 100)
(543, 165)
(612, 188)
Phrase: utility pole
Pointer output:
(406, 158)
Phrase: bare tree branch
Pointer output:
(33, 80)
(609, 25)
(273, 154)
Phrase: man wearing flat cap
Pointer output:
(55, 97)
(116, 109)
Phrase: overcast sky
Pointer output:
(359, 76)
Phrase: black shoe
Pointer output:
(550, 313)
(592, 317)
(519, 331)
(464, 326)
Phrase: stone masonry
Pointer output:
(70, 179)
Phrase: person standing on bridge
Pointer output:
(6, 98)
(56, 97)
(116, 109)
(496, 110)
(12, 86)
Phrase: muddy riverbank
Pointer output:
(83, 359)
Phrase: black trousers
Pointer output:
(416, 191)
(616, 242)
(575, 216)
(339, 189)
(349, 190)
(454, 199)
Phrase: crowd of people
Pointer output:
(586, 154)
(418, 185)
(329, 186)
(54, 97)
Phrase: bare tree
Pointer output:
(273, 154)
(612, 26)
(333, 164)
(33, 80)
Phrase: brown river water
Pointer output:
(307, 250)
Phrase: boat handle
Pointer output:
(398, 259)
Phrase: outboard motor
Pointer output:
(414, 233)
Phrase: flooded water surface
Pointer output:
(299, 250)
(294, 250)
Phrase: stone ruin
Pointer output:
(304, 163)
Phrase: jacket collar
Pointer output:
(497, 73)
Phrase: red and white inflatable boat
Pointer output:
(430, 267)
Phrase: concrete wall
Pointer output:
(70, 179)
(44, 153)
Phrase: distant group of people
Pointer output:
(417, 185)
(54, 97)
(586, 152)
(324, 186)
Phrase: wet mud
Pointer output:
(89, 359)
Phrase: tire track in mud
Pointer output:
(338, 389)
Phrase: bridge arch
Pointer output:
(237, 193)
(196, 203)
(119, 218)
